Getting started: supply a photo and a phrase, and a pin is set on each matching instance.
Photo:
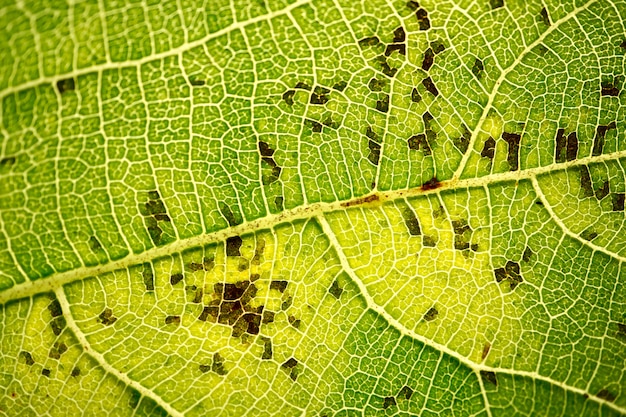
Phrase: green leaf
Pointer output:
(312, 207)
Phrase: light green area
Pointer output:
(320, 208)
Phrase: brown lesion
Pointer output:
(510, 273)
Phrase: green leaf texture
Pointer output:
(313, 208)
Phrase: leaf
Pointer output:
(306, 207)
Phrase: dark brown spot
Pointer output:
(431, 314)
(268, 317)
(609, 89)
(176, 278)
(106, 317)
(386, 68)
(374, 154)
(389, 402)
(422, 19)
(66, 84)
(233, 245)
(489, 148)
(204, 368)
(55, 308)
(405, 392)
(415, 96)
(231, 218)
(462, 142)
(460, 227)
(94, 244)
(75, 372)
(603, 191)
(429, 241)
(335, 289)
(561, 143)
(496, 4)
(411, 222)
(438, 46)
(586, 185)
(621, 330)
(429, 59)
(148, 277)
(486, 349)
(291, 366)
(27, 357)
(218, 364)
(370, 41)
(400, 47)
(544, 16)
(288, 97)
(278, 285)
(279, 203)
(605, 394)
(513, 140)
(623, 45)
(196, 82)
(58, 324)
(265, 149)
(316, 127)
(478, 68)
(303, 86)
(377, 85)
(206, 311)
(399, 35)
(319, 96)
(598, 140)
(489, 377)
(57, 350)
(340, 86)
(430, 86)
(572, 146)
(267, 348)
(510, 273)
(294, 322)
(431, 184)
(414, 5)
(417, 142)
(588, 234)
(8, 161)
(45, 372)
(383, 105)
(172, 320)
(618, 201)
(528, 254)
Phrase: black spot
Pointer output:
(561, 143)
(413, 5)
(429, 241)
(274, 173)
(279, 203)
(431, 314)
(623, 45)
(315, 126)
(527, 255)
(57, 350)
(415, 96)
(598, 140)
(155, 207)
(370, 41)
(28, 358)
(196, 82)
(417, 142)
(58, 324)
(286, 303)
(572, 146)
(204, 368)
(303, 86)
(278, 285)
(609, 89)
(248, 323)
(176, 278)
(478, 68)
(291, 366)
(233, 245)
(430, 86)
(511, 273)
(45, 372)
(429, 58)
(399, 35)
(438, 46)
(230, 291)
(489, 148)
(389, 402)
(427, 118)
(340, 86)
(106, 317)
(462, 142)
(621, 330)
(218, 364)
(588, 234)
(422, 19)
(460, 227)
(618, 202)
(586, 185)
(605, 394)
(376, 84)
(400, 47)
(148, 277)
(75, 372)
(602, 191)
(513, 140)
(172, 320)
(8, 161)
(154, 230)
(383, 105)
(489, 377)
(268, 317)
(66, 85)
(411, 222)
(267, 348)
(544, 16)
(374, 155)
(206, 311)
(288, 96)
(335, 289)
(320, 96)
(405, 392)
(369, 132)
(386, 69)
(231, 218)
(55, 308)
(94, 244)
(496, 4)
